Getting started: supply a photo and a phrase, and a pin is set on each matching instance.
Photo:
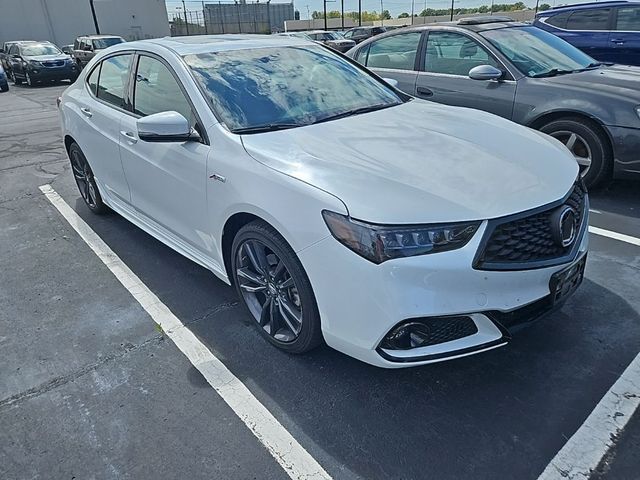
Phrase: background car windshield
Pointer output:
(100, 43)
(35, 50)
(328, 36)
(291, 85)
(534, 51)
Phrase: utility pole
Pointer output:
(204, 18)
(186, 23)
(491, 12)
(381, 14)
(269, 14)
(359, 13)
(537, 3)
(452, 9)
(342, 15)
(95, 18)
(309, 17)
(325, 13)
(412, 6)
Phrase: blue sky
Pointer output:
(394, 6)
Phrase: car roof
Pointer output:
(196, 44)
(474, 24)
(99, 36)
(585, 6)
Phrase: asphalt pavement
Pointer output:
(91, 388)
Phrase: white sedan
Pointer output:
(398, 231)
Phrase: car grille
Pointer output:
(448, 329)
(53, 63)
(518, 242)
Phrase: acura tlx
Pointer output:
(398, 231)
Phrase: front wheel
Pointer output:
(275, 289)
(588, 145)
(86, 182)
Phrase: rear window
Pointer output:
(597, 19)
(628, 19)
(100, 43)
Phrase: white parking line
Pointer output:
(587, 447)
(615, 235)
(286, 450)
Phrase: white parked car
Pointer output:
(400, 231)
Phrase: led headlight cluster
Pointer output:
(379, 243)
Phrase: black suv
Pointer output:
(359, 34)
(34, 62)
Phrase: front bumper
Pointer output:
(67, 72)
(360, 302)
(626, 150)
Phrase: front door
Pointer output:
(444, 75)
(168, 180)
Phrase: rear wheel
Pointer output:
(4, 87)
(275, 289)
(86, 182)
(589, 146)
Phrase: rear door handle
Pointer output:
(424, 92)
(86, 111)
(617, 41)
(129, 136)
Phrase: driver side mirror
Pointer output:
(485, 72)
(169, 127)
(391, 81)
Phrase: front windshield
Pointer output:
(35, 50)
(101, 43)
(327, 36)
(536, 52)
(286, 86)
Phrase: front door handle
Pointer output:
(129, 136)
(424, 92)
(86, 112)
(617, 41)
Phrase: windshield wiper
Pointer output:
(267, 127)
(552, 73)
(357, 111)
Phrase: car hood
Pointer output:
(617, 79)
(422, 162)
(44, 58)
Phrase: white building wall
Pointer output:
(61, 21)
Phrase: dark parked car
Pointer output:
(86, 46)
(360, 34)
(522, 73)
(40, 62)
(331, 39)
(608, 31)
(4, 53)
(4, 83)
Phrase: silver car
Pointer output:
(524, 74)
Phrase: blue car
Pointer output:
(4, 83)
(607, 31)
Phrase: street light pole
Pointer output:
(325, 13)
(452, 9)
(342, 14)
(95, 18)
(186, 23)
(359, 13)
(381, 14)
(537, 3)
(412, 7)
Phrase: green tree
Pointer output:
(543, 7)
(385, 15)
(404, 15)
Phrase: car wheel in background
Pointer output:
(589, 146)
(4, 87)
(274, 288)
(86, 182)
(14, 79)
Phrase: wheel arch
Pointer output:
(68, 140)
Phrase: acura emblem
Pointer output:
(564, 225)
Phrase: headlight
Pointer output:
(379, 243)
(34, 63)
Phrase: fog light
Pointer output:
(424, 332)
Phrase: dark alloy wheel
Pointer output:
(275, 289)
(84, 179)
(588, 145)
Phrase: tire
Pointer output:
(4, 88)
(299, 295)
(85, 181)
(588, 139)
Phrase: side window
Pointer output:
(628, 19)
(361, 57)
(92, 80)
(397, 51)
(113, 79)
(559, 20)
(76, 44)
(596, 19)
(455, 54)
(158, 91)
(13, 50)
(348, 34)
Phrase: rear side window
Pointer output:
(398, 52)
(596, 19)
(455, 54)
(559, 20)
(157, 90)
(92, 81)
(113, 79)
(628, 19)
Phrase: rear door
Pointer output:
(625, 37)
(394, 57)
(444, 75)
(588, 29)
(102, 107)
(168, 180)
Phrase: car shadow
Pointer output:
(500, 414)
(620, 197)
